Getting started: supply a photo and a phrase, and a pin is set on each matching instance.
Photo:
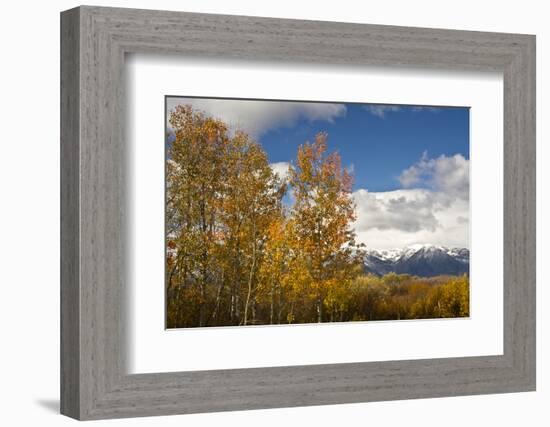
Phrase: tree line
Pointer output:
(401, 296)
(238, 255)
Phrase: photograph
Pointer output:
(292, 212)
(274, 213)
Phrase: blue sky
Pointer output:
(410, 163)
(378, 144)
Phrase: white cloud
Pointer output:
(418, 108)
(436, 214)
(257, 117)
(380, 110)
(400, 218)
(450, 175)
(403, 210)
(281, 169)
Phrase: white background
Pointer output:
(29, 218)
(152, 349)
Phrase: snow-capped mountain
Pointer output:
(419, 260)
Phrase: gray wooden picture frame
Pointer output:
(94, 382)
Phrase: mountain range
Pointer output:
(419, 260)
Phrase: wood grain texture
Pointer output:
(95, 239)
(70, 297)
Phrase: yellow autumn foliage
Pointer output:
(236, 255)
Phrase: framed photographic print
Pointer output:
(262, 213)
(264, 228)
